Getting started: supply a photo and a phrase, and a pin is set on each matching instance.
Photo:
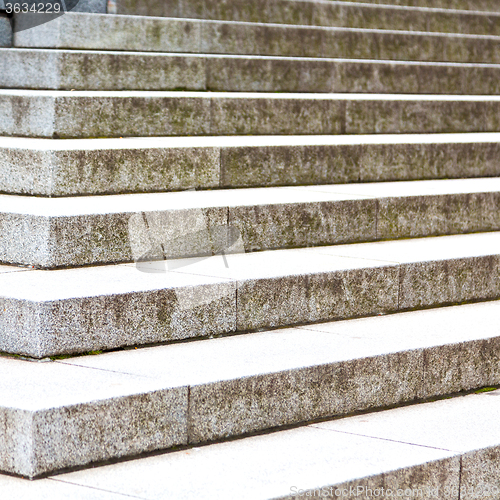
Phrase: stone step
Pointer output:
(479, 5)
(139, 33)
(89, 409)
(79, 231)
(78, 310)
(62, 114)
(52, 167)
(111, 70)
(446, 449)
(323, 13)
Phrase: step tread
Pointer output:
(236, 381)
(234, 198)
(416, 447)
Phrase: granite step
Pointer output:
(52, 167)
(324, 13)
(139, 33)
(56, 69)
(70, 413)
(479, 5)
(442, 449)
(79, 310)
(80, 231)
(62, 114)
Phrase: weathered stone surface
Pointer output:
(90, 309)
(273, 468)
(196, 36)
(77, 416)
(85, 167)
(61, 114)
(112, 70)
(327, 13)
(5, 32)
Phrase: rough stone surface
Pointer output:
(192, 392)
(218, 37)
(58, 312)
(60, 114)
(328, 13)
(5, 32)
(112, 70)
(77, 416)
(85, 167)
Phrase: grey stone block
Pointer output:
(465, 425)
(111, 166)
(120, 305)
(50, 426)
(112, 70)
(94, 6)
(60, 114)
(180, 35)
(5, 31)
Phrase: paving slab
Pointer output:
(155, 34)
(203, 391)
(48, 167)
(120, 70)
(92, 114)
(62, 232)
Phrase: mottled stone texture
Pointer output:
(307, 298)
(106, 70)
(5, 32)
(426, 284)
(72, 115)
(330, 14)
(218, 37)
(102, 170)
(234, 407)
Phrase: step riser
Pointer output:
(64, 241)
(114, 116)
(189, 36)
(483, 5)
(108, 171)
(166, 417)
(60, 70)
(132, 316)
(323, 13)
(306, 12)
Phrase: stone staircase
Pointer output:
(225, 225)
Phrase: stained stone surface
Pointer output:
(218, 37)
(327, 13)
(51, 233)
(231, 386)
(63, 69)
(62, 114)
(5, 31)
(101, 166)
